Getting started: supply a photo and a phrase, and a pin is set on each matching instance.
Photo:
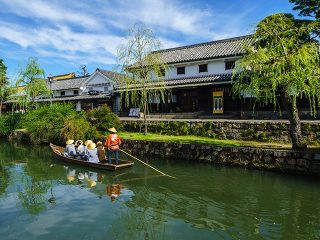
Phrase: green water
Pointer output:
(42, 198)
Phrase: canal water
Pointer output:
(43, 198)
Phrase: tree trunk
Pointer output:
(294, 119)
(0, 106)
(145, 118)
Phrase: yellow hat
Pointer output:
(70, 141)
(79, 142)
(91, 183)
(99, 143)
(70, 178)
(87, 142)
(112, 130)
(91, 146)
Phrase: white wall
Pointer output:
(99, 79)
(192, 68)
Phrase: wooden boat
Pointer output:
(58, 153)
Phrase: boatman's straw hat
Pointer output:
(91, 146)
(113, 130)
(70, 141)
(87, 142)
(99, 143)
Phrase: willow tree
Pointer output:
(283, 63)
(32, 77)
(143, 70)
(4, 83)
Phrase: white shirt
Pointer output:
(93, 155)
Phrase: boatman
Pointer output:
(113, 143)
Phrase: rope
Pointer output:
(146, 164)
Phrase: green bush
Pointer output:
(103, 118)
(79, 128)
(45, 123)
(8, 123)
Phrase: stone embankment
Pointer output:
(304, 162)
(256, 130)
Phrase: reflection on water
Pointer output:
(42, 198)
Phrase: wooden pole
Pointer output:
(146, 164)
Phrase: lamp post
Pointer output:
(50, 81)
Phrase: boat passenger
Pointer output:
(79, 145)
(70, 149)
(101, 152)
(113, 142)
(93, 153)
(83, 151)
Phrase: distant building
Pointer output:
(85, 92)
(63, 76)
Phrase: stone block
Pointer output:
(291, 161)
(316, 156)
(302, 162)
(267, 159)
(280, 160)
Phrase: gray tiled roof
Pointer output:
(188, 81)
(209, 50)
(69, 83)
(76, 83)
(78, 97)
(111, 75)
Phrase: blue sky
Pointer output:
(64, 34)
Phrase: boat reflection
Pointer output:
(114, 191)
(95, 179)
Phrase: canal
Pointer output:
(42, 198)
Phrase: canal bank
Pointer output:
(300, 162)
(252, 130)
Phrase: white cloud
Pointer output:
(66, 43)
(51, 12)
(89, 32)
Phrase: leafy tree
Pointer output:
(283, 61)
(33, 78)
(4, 83)
(143, 69)
(309, 8)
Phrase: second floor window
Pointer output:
(181, 70)
(203, 68)
(230, 65)
(63, 93)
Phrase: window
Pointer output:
(63, 93)
(181, 70)
(230, 65)
(75, 92)
(203, 68)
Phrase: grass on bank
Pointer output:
(203, 140)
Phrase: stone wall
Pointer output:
(307, 162)
(229, 129)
